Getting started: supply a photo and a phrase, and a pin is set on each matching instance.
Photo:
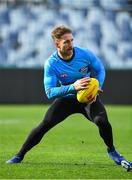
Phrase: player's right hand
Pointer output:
(82, 83)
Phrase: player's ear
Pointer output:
(56, 43)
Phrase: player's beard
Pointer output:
(67, 54)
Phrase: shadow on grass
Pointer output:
(75, 164)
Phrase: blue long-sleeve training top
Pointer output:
(59, 74)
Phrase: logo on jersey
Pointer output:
(63, 75)
(84, 70)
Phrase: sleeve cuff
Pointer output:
(72, 88)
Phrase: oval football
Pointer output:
(86, 95)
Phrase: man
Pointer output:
(66, 72)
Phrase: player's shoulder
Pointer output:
(82, 50)
(52, 59)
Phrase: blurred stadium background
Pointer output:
(103, 26)
(73, 149)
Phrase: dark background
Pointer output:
(26, 86)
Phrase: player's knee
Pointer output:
(47, 124)
(100, 121)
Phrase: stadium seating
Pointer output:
(98, 25)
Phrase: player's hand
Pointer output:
(100, 91)
(93, 100)
(95, 97)
(81, 83)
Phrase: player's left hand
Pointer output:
(100, 91)
(93, 100)
(95, 97)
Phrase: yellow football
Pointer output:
(87, 95)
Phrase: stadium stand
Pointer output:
(103, 26)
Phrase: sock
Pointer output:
(110, 149)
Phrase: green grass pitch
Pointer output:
(71, 150)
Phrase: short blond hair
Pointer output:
(59, 31)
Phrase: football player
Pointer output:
(67, 71)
